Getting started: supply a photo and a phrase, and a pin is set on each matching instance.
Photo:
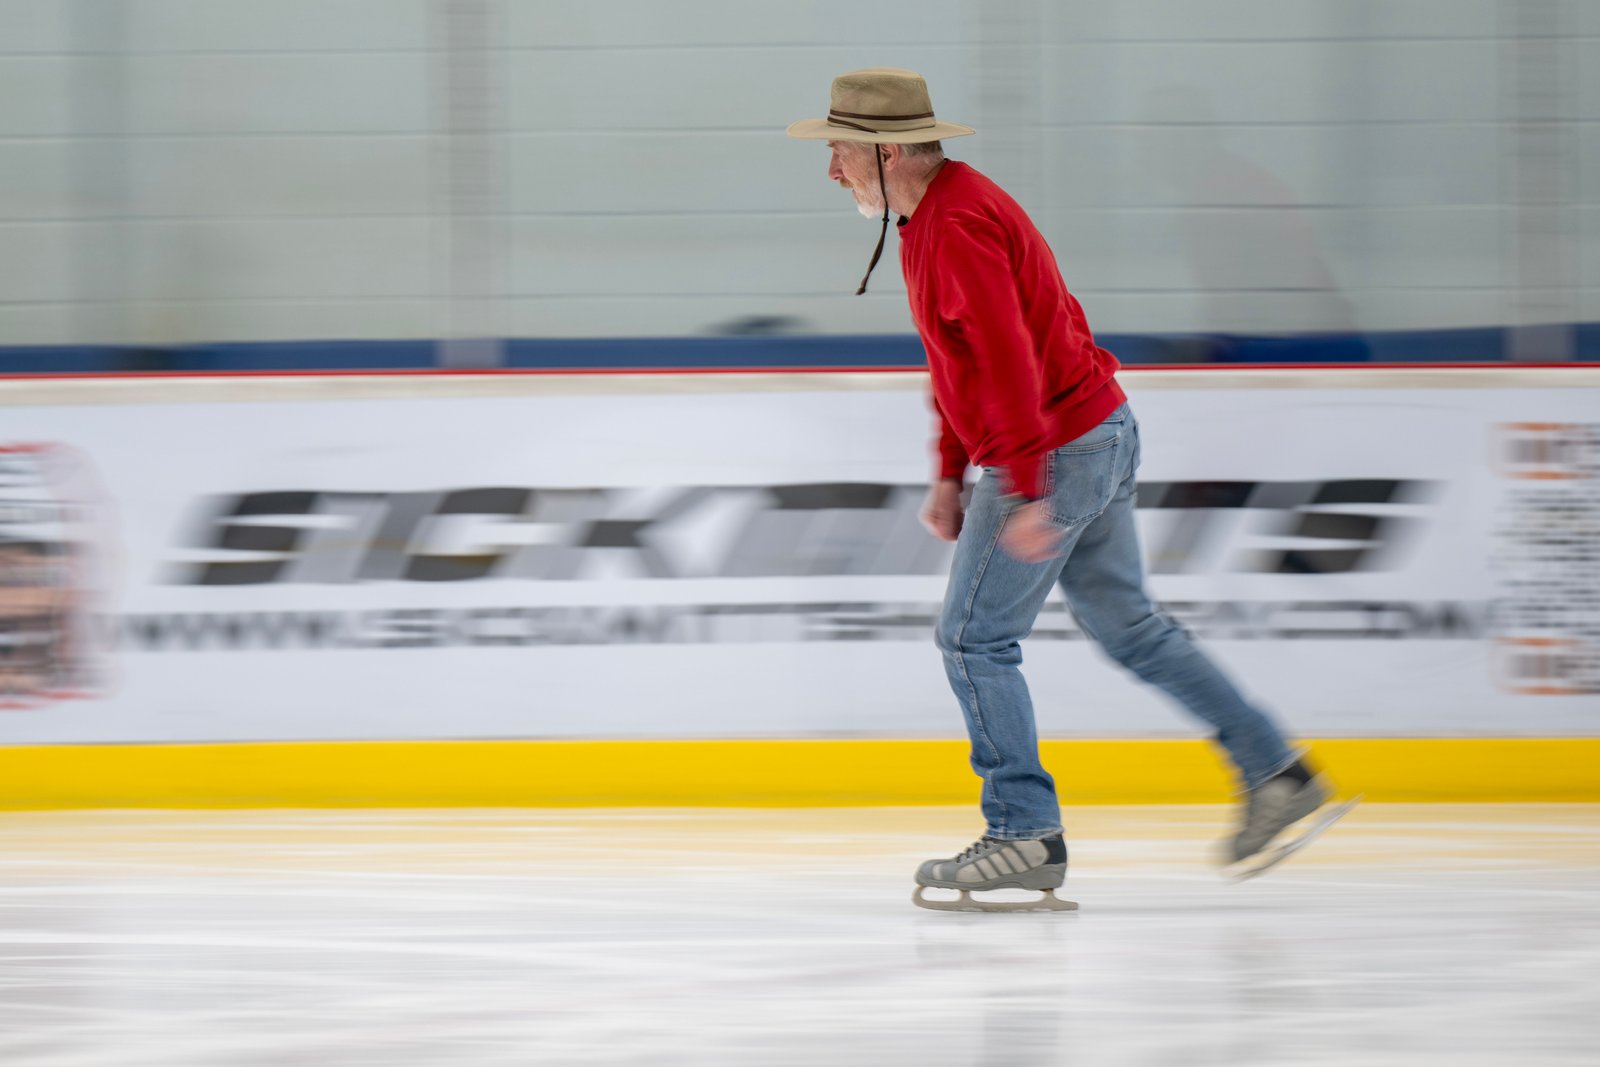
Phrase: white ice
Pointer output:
(1410, 934)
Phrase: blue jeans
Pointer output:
(994, 599)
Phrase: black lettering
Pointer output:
(229, 531)
(406, 628)
(471, 565)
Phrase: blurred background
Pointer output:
(217, 184)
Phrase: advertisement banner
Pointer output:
(726, 556)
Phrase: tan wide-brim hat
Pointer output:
(882, 105)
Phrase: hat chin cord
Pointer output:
(883, 188)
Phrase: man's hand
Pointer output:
(1029, 536)
(942, 513)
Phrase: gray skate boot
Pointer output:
(993, 864)
(1273, 807)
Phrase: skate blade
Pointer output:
(1321, 822)
(967, 902)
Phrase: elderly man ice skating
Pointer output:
(1023, 392)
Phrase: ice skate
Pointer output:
(1271, 809)
(991, 864)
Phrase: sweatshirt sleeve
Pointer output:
(952, 454)
(978, 304)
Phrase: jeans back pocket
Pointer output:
(1083, 472)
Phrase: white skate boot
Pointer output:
(993, 864)
(1273, 807)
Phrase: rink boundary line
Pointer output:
(764, 773)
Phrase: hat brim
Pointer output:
(822, 130)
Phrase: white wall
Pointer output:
(205, 170)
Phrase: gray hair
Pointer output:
(926, 149)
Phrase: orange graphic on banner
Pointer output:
(1545, 451)
(1543, 666)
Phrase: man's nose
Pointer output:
(835, 171)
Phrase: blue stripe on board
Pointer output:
(809, 351)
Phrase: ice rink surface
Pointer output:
(1410, 934)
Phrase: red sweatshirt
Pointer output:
(1016, 373)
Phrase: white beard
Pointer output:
(872, 211)
(868, 198)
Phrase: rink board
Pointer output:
(392, 565)
(790, 773)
